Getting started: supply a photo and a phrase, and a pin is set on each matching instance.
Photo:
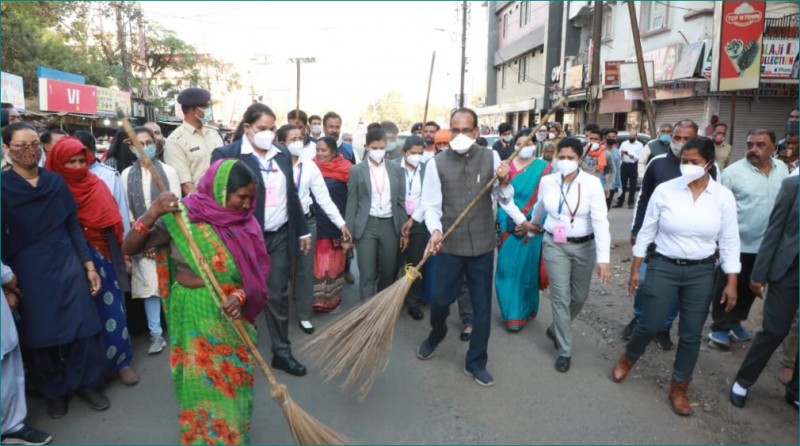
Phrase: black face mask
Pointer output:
(611, 141)
(631, 139)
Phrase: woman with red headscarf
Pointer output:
(101, 222)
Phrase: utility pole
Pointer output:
(464, 10)
(142, 51)
(637, 43)
(123, 48)
(597, 36)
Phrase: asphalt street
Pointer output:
(426, 401)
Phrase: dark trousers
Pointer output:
(449, 274)
(277, 310)
(638, 303)
(60, 370)
(780, 307)
(725, 321)
(629, 176)
(692, 286)
(417, 241)
(610, 198)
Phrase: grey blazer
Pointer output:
(359, 196)
(779, 248)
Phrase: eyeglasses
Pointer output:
(461, 131)
(23, 146)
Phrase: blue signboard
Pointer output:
(49, 73)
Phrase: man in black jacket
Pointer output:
(280, 214)
(775, 265)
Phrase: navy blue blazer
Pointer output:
(297, 220)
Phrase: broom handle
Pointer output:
(428, 95)
(198, 256)
(520, 144)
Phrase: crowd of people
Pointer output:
(283, 210)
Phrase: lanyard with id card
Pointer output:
(271, 189)
(409, 202)
(560, 228)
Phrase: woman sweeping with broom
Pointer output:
(211, 368)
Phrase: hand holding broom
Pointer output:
(359, 342)
(305, 428)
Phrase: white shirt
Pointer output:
(309, 180)
(413, 179)
(144, 277)
(586, 199)
(432, 196)
(683, 228)
(278, 215)
(634, 149)
(381, 196)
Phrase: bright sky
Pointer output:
(363, 50)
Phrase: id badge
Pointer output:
(409, 207)
(271, 199)
(560, 232)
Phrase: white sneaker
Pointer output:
(157, 344)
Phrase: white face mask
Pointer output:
(526, 152)
(566, 167)
(296, 148)
(414, 159)
(377, 155)
(427, 156)
(263, 140)
(392, 146)
(593, 146)
(551, 135)
(541, 136)
(461, 143)
(316, 129)
(676, 148)
(691, 172)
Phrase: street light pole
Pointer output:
(464, 7)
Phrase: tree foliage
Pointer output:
(101, 41)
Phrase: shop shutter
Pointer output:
(754, 113)
(674, 110)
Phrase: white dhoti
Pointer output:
(13, 387)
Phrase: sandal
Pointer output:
(466, 333)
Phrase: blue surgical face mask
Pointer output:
(206, 116)
(508, 138)
(665, 138)
(149, 150)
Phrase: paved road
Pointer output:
(432, 401)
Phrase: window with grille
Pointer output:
(654, 16)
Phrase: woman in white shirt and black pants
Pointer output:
(573, 207)
(687, 218)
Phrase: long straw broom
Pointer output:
(359, 342)
(305, 428)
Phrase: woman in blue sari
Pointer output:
(517, 277)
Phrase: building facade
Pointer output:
(541, 51)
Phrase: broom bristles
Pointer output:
(359, 343)
(308, 430)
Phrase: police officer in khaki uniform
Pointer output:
(188, 148)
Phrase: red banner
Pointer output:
(62, 96)
(740, 44)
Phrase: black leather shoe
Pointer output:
(288, 365)
(415, 313)
(96, 400)
(562, 364)
(736, 400)
(618, 205)
(552, 337)
(57, 408)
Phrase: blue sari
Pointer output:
(517, 277)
